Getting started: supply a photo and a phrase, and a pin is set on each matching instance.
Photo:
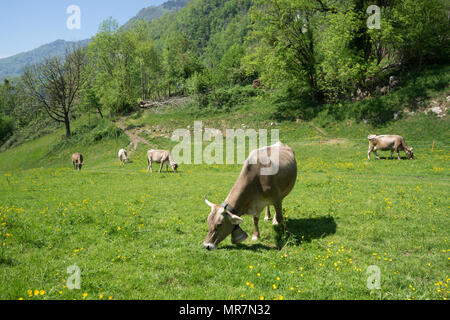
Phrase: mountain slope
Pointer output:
(154, 12)
(14, 65)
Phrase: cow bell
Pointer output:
(238, 235)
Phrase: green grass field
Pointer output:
(136, 235)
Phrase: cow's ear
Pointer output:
(233, 218)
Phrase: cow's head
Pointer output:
(174, 167)
(221, 223)
(410, 153)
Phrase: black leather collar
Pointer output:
(227, 207)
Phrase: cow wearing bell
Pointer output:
(267, 177)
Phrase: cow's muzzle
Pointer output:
(209, 246)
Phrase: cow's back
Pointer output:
(77, 158)
(387, 142)
(156, 155)
(256, 173)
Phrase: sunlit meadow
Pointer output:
(136, 235)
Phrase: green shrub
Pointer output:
(225, 99)
(89, 134)
(6, 128)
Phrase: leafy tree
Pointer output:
(56, 84)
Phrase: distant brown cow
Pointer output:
(163, 157)
(77, 160)
(388, 142)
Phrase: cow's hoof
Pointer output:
(255, 238)
(266, 218)
(275, 222)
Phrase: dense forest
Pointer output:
(303, 54)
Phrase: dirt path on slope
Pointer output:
(133, 135)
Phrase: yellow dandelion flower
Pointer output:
(36, 292)
(85, 295)
(42, 292)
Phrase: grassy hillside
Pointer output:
(136, 235)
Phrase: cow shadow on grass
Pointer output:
(394, 158)
(308, 229)
(297, 232)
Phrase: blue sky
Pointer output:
(27, 24)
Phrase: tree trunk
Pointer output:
(67, 124)
(99, 110)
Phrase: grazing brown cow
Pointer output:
(388, 142)
(77, 160)
(162, 157)
(254, 190)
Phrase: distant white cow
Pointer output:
(162, 157)
(123, 157)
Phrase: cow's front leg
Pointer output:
(368, 153)
(256, 234)
(161, 166)
(376, 154)
(267, 216)
(150, 167)
(398, 155)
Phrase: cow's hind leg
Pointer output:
(256, 230)
(267, 216)
(278, 220)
